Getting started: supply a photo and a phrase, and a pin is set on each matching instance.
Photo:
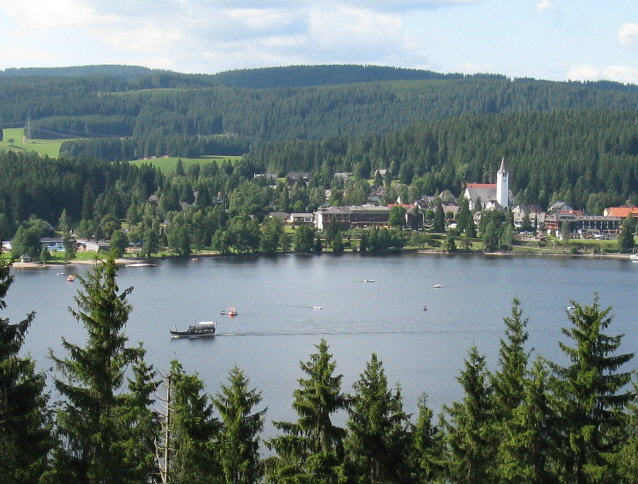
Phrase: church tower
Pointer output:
(502, 186)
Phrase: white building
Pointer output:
(502, 185)
(490, 195)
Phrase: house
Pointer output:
(584, 226)
(269, 177)
(294, 177)
(280, 215)
(413, 214)
(534, 212)
(361, 216)
(327, 215)
(300, 218)
(93, 245)
(53, 244)
(621, 212)
(450, 208)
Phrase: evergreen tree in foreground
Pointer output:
(468, 425)
(98, 419)
(426, 455)
(25, 434)
(240, 429)
(190, 431)
(311, 449)
(591, 396)
(377, 445)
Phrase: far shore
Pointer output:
(123, 261)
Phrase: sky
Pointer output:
(544, 39)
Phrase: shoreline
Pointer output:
(124, 262)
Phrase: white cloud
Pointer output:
(628, 35)
(623, 74)
(39, 14)
(544, 6)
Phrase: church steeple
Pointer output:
(503, 168)
(502, 185)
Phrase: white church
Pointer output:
(490, 196)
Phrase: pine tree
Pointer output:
(468, 425)
(377, 443)
(628, 456)
(25, 430)
(311, 449)
(90, 418)
(190, 431)
(426, 454)
(240, 429)
(140, 422)
(591, 397)
(527, 439)
(509, 379)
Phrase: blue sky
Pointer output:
(543, 39)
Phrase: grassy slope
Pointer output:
(167, 165)
(44, 147)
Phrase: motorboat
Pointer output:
(70, 277)
(202, 329)
(438, 286)
(231, 312)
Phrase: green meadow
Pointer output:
(167, 165)
(43, 147)
(12, 140)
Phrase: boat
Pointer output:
(202, 329)
(438, 286)
(633, 258)
(368, 280)
(231, 312)
(141, 264)
(425, 308)
(317, 307)
(70, 278)
(222, 312)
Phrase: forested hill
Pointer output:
(304, 76)
(113, 71)
(166, 103)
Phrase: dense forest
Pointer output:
(280, 103)
(115, 418)
(575, 142)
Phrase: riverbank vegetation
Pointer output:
(117, 419)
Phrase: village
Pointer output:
(532, 224)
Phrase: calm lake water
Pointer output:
(277, 326)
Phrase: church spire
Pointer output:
(502, 185)
(503, 168)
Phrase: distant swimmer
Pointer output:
(425, 308)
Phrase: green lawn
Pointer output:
(44, 147)
(167, 165)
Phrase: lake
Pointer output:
(279, 322)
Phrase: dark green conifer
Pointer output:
(240, 429)
(591, 396)
(25, 430)
(93, 418)
(468, 425)
(377, 445)
(311, 449)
